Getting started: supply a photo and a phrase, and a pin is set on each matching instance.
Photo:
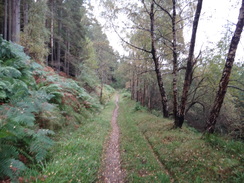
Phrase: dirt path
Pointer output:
(112, 172)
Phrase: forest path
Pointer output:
(112, 172)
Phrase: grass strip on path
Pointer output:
(138, 159)
(76, 157)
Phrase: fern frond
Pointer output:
(41, 144)
(10, 72)
(11, 168)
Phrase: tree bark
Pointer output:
(133, 85)
(101, 91)
(5, 19)
(137, 87)
(25, 11)
(59, 35)
(164, 99)
(175, 63)
(16, 21)
(9, 20)
(144, 93)
(223, 84)
(189, 69)
(52, 32)
(149, 98)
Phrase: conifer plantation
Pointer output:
(165, 108)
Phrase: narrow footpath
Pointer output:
(112, 172)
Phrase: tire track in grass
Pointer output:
(156, 155)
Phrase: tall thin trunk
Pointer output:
(149, 98)
(59, 35)
(101, 91)
(133, 86)
(16, 21)
(164, 99)
(137, 88)
(130, 85)
(25, 11)
(5, 19)
(144, 93)
(52, 33)
(68, 59)
(10, 20)
(214, 113)
(189, 69)
(175, 64)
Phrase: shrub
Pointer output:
(21, 139)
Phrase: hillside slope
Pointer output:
(152, 151)
(36, 102)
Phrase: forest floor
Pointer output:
(140, 146)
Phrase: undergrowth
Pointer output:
(35, 102)
(185, 154)
(76, 157)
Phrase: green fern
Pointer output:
(41, 144)
(10, 72)
(19, 132)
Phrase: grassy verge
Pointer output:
(76, 157)
(183, 152)
(138, 158)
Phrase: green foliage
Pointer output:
(29, 106)
(78, 149)
(19, 134)
(35, 32)
(138, 107)
(229, 146)
(125, 93)
(108, 91)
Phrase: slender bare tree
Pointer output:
(223, 84)
(179, 120)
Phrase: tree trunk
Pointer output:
(16, 21)
(59, 36)
(133, 86)
(175, 63)
(144, 93)
(137, 88)
(223, 84)
(68, 60)
(189, 69)
(5, 19)
(164, 99)
(10, 20)
(52, 32)
(101, 91)
(149, 98)
(25, 11)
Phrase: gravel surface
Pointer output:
(112, 172)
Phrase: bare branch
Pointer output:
(193, 103)
(163, 9)
(182, 68)
(134, 46)
(235, 87)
